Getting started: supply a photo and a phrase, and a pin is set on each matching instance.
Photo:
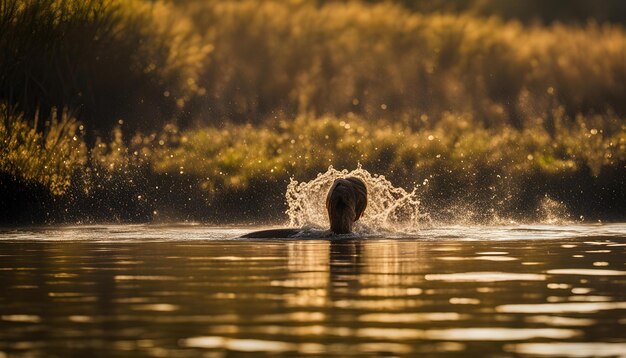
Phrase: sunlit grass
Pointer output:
(49, 157)
(106, 60)
(219, 96)
(383, 61)
(456, 160)
(235, 154)
(210, 62)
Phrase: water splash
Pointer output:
(552, 211)
(389, 208)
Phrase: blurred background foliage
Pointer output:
(105, 60)
(131, 109)
(527, 11)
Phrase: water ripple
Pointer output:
(485, 277)
(586, 272)
(583, 307)
(566, 349)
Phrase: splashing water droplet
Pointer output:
(389, 209)
(553, 211)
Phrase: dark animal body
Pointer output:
(273, 234)
(345, 203)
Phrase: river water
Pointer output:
(192, 290)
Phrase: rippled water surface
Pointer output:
(198, 291)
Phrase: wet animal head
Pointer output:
(345, 202)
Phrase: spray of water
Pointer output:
(389, 209)
(552, 211)
(394, 210)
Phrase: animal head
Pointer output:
(345, 203)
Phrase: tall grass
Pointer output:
(105, 59)
(50, 157)
(383, 61)
(475, 109)
(493, 171)
(233, 155)
(210, 62)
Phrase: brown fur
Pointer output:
(345, 202)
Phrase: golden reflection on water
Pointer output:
(560, 321)
(412, 317)
(469, 334)
(21, 318)
(485, 277)
(585, 307)
(574, 349)
(308, 274)
(313, 297)
(587, 272)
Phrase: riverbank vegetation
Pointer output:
(203, 110)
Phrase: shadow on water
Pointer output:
(344, 268)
